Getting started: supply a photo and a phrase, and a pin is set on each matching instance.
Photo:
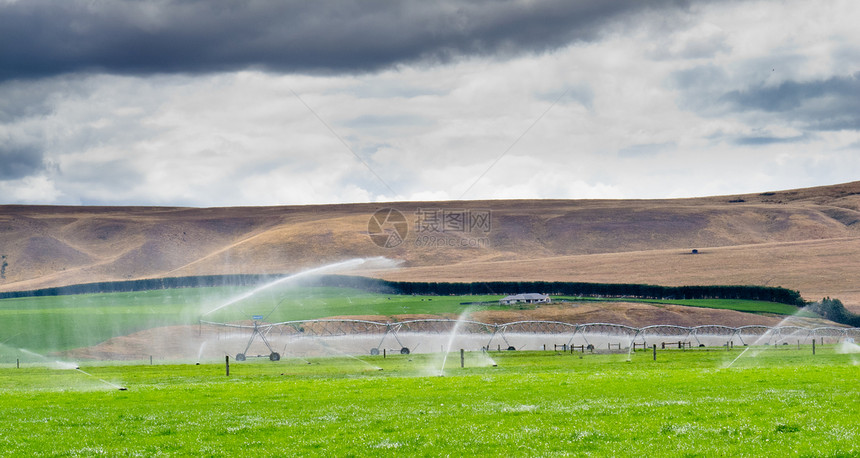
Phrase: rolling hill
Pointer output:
(804, 239)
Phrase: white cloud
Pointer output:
(637, 119)
(38, 189)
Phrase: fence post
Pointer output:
(462, 359)
(655, 352)
(813, 346)
(227, 364)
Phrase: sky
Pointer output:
(221, 103)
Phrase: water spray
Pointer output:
(120, 388)
(342, 353)
(375, 262)
(344, 265)
(63, 365)
(284, 351)
(738, 357)
(451, 338)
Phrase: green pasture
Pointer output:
(60, 322)
(56, 323)
(740, 305)
(319, 302)
(770, 402)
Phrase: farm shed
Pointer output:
(528, 298)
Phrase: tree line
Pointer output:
(833, 310)
(200, 281)
(634, 290)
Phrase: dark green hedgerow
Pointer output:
(748, 292)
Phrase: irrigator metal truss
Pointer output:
(508, 333)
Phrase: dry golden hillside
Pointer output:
(806, 239)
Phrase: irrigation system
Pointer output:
(512, 336)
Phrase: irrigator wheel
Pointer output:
(240, 357)
(274, 356)
(374, 351)
(511, 348)
(404, 351)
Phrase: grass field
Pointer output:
(740, 305)
(770, 402)
(61, 322)
(56, 323)
(53, 323)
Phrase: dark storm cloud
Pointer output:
(831, 104)
(45, 37)
(19, 161)
(818, 105)
(22, 100)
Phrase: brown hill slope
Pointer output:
(806, 239)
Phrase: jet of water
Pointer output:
(52, 364)
(63, 365)
(767, 335)
(32, 353)
(456, 329)
(848, 346)
(121, 388)
(377, 262)
(488, 360)
(326, 347)
(284, 351)
(738, 357)
(200, 352)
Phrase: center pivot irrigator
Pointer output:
(260, 327)
(273, 355)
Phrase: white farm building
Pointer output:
(528, 298)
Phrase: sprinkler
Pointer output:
(122, 388)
